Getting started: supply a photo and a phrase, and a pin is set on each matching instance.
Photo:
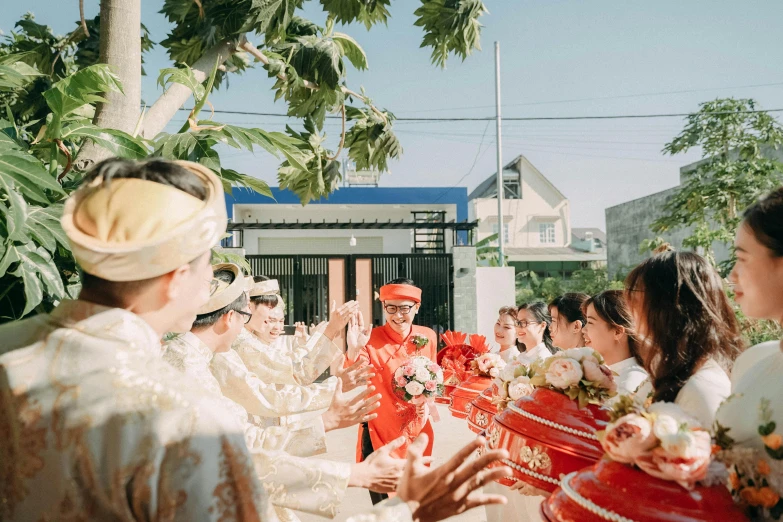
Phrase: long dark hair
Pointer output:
(612, 308)
(540, 311)
(687, 319)
(765, 219)
(571, 306)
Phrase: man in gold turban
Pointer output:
(94, 424)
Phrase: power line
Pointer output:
(528, 118)
(475, 160)
(596, 98)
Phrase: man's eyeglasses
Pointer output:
(525, 324)
(393, 309)
(248, 315)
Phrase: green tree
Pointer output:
(69, 101)
(735, 139)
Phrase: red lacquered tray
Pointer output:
(482, 410)
(465, 392)
(547, 436)
(446, 397)
(617, 492)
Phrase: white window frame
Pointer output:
(546, 233)
(506, 234)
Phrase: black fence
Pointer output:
(304, 283)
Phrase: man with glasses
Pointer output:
(385, 349)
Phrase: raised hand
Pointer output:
(440, 493)
(345, 412)
(339, 318)
(357, 337)
(301, 332)
(358, 374)
(379, 472)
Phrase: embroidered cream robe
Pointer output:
(95, 426)
(312, 486)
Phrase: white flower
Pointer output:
(439, 376)
(508, 372)
(563, 373)
(578, 354)
(672, 410)
(665, 425)
(520, 387)
(414, 388)
(422, 374)
(683, 444)
(494, 372)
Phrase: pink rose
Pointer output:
(433, 368)
(682, 457)
(599, 374)
(409, 370)
(563, 373)
(628, 437)
(431, 385)
(401, 382)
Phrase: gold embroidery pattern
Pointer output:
(235, 493)
(22, 441)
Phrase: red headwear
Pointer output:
(400, 293)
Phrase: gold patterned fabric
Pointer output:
(284, 361)
(308, 485)
(95, 426)
(270, 403)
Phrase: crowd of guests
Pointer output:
(673, 335)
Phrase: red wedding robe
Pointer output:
(386, 351)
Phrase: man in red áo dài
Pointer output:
(386, 348)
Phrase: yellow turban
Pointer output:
(134, 229)
(226, 293)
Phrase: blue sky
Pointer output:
(558, 58)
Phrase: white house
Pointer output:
(536, 222)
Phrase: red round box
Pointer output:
(482, 410)
(621, 493)
(465, 392)
(547, 436)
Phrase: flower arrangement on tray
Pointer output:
(512, 383)
(660, 439)
(487, 365)
(456, 357)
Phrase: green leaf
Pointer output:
(367, 12)
(38, 273)
(352, 50)
(43, 225)
(15, 211)
(17, 75)
(81, 88)
(115, 141)
(184, 76)
(28, 173)
(450, 26)
(249, 182)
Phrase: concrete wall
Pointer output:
(465, 304)
(494, 289)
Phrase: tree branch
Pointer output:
(261, 57)
(81, 17)
(176, 95)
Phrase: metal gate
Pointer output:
(304, 282)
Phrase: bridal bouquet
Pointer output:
(512, 383)
(579, 373)
(418, 380)
(660, 439)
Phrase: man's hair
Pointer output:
(402, 281)
(158, 171)
(153, 169)
(269, 300)
(237, 305)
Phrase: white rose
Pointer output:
(520, 387)
(685, 444)
(577, 354)
(422, 374)
(672, 410)
(494, 372)
(665, 425)
(563, 373)
(507, 373)
(414, 388)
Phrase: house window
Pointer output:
(505, 232)
(546, 233)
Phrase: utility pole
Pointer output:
(501, 257)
